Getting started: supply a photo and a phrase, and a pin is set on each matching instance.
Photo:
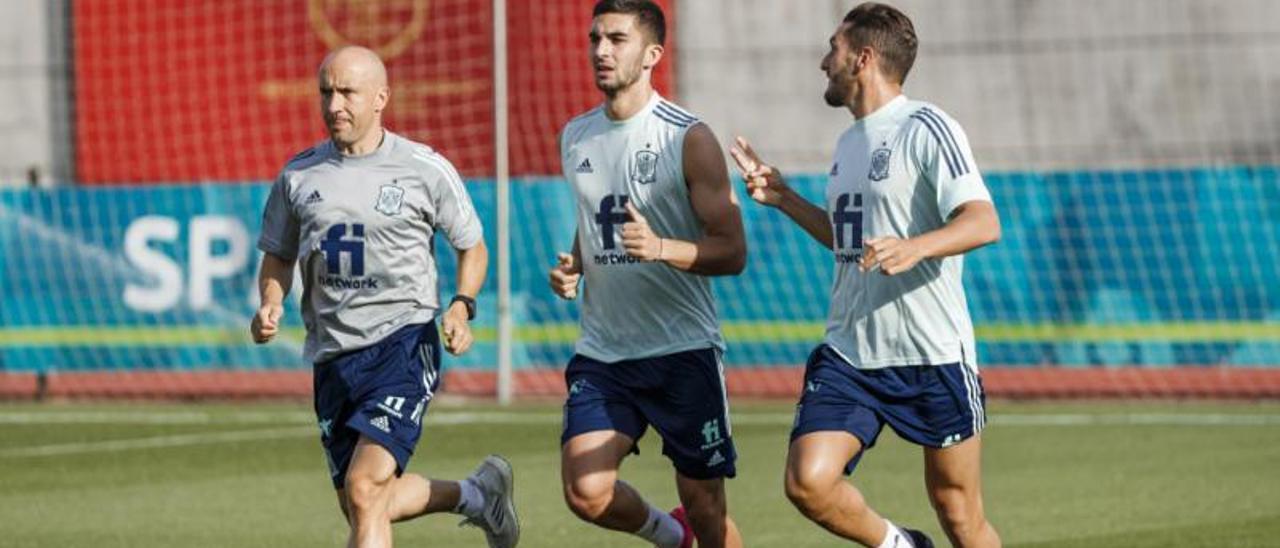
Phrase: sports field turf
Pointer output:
(231, 475)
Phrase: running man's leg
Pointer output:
(368, 494)
(589, 471)
(837, 419)
(589, 465)
(953, 477)
(815, 484)
(373, 497)
(601, 426)
(415, 495)
(690, 410)
(707, 509)
(370, 404)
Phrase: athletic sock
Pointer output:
(894, 537)
(661, 529)
(470, 499)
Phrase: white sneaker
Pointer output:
(499, 522)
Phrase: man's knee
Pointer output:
(959, 511)
(811, 489)
(366, 495)
(588, 497)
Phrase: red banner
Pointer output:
(225, 90)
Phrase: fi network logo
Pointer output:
(711, 435)
(612, 212)
(336, 244)
(843, 217)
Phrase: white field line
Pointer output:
(451, 417)
(154, 417)
(1139, 419)
(295, 419)
(1078, 419)
(157, 442)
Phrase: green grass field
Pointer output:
(222, 475)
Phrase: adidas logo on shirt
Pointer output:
(715, 460)
(381, 423)
(314, 198)
(585, 166)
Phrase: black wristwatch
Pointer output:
(469, 302)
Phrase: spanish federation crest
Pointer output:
(644, 169)
(390, 198)
(879, 164)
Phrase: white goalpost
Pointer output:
(502, 178)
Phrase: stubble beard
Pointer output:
(623, 81)
(837, 93)
(348, 135)
(342, 137)
(834, 98)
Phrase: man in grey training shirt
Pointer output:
(904, 202)
(357, 213)
(656, 218)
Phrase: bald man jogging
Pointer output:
(357, 213)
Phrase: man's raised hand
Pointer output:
(764, 183)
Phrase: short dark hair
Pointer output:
(648, 15)
(886, 30)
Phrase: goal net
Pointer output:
(1130, 149)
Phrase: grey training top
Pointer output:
(361, 230)
(901, 171)
(633, 309)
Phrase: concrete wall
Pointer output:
(1037, 84)
(34, 125)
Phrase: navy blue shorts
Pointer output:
(930, 405)
(380, 392)
(682, 395)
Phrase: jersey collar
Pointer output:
(383, 150)
(639, 115)
(883, 113)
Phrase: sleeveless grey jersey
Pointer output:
(632, 309)
(361, 230)
(900, 171)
